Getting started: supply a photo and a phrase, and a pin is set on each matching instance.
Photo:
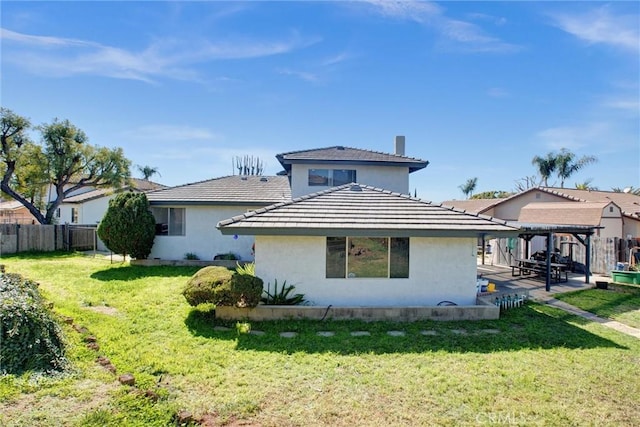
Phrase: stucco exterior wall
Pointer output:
(631, 228)
(201, 236)
(440, 269)
(510, 210)
(388, 177)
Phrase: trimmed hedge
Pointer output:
(31, 339)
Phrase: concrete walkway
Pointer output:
(505, 282)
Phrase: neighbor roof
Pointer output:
(567, 213)
(229, 190)
(473, 205)
(354, 156)
(629, 203)
(354, 209)
(141, 185)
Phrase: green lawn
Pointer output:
(535, 366)
(618, 302)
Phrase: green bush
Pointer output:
(128, 227)
(222, 287)
(31, 339)
(209, 285)
(246, 290)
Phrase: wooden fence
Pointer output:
(16, 238)
(605, 252)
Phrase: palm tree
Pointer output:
(468, 187)
(586, 186)
(148, 171)
(567, 164)
(546, 166)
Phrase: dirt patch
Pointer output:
(103, 309)
(34, 408)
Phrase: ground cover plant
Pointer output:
(535, 366)
(618, 302)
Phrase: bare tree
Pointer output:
(249, 165)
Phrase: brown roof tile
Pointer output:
(565, 213)
(243, 190)
(361, 209)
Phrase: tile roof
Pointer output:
(340, 154)
(134, 183)
(473, 205)
(565, 213)
(628, 202)
(354, 209)
(229, 190)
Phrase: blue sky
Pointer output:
(477, 88)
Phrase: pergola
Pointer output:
(582, 233)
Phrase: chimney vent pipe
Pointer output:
(399, 145)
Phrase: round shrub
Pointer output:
(246, 290)
(209, 285)
(31, 339)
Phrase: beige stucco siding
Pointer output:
(440, 269)
(510, 209)
(390, 178)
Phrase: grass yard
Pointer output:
(618, 302)
(535, 366)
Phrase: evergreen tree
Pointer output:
(128, 227)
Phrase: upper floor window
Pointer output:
(169, 221)
(331, 177)
(351, 257)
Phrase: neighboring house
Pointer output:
(186, 215)
(310, 171)
(357, 245)
(13, 212)
(88, 207)
(620, 218)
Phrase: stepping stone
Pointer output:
(396, 333)
(288, 334)
(259, 333)
(221, 328)
(490, 331)
(459, 331)
(360, 334)
(429, 332)
(326, 333)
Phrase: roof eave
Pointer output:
(360, 232)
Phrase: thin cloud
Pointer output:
(456, 34)
(498, 92)
(170, 133)
(631, 105)
(572, 137)
(164, 58)
(602, 26)
(302, 75)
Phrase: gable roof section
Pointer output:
(141, 185)
(565, 213)
(230, 190)
(339, 155)
(354, 209)
(629, 203)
